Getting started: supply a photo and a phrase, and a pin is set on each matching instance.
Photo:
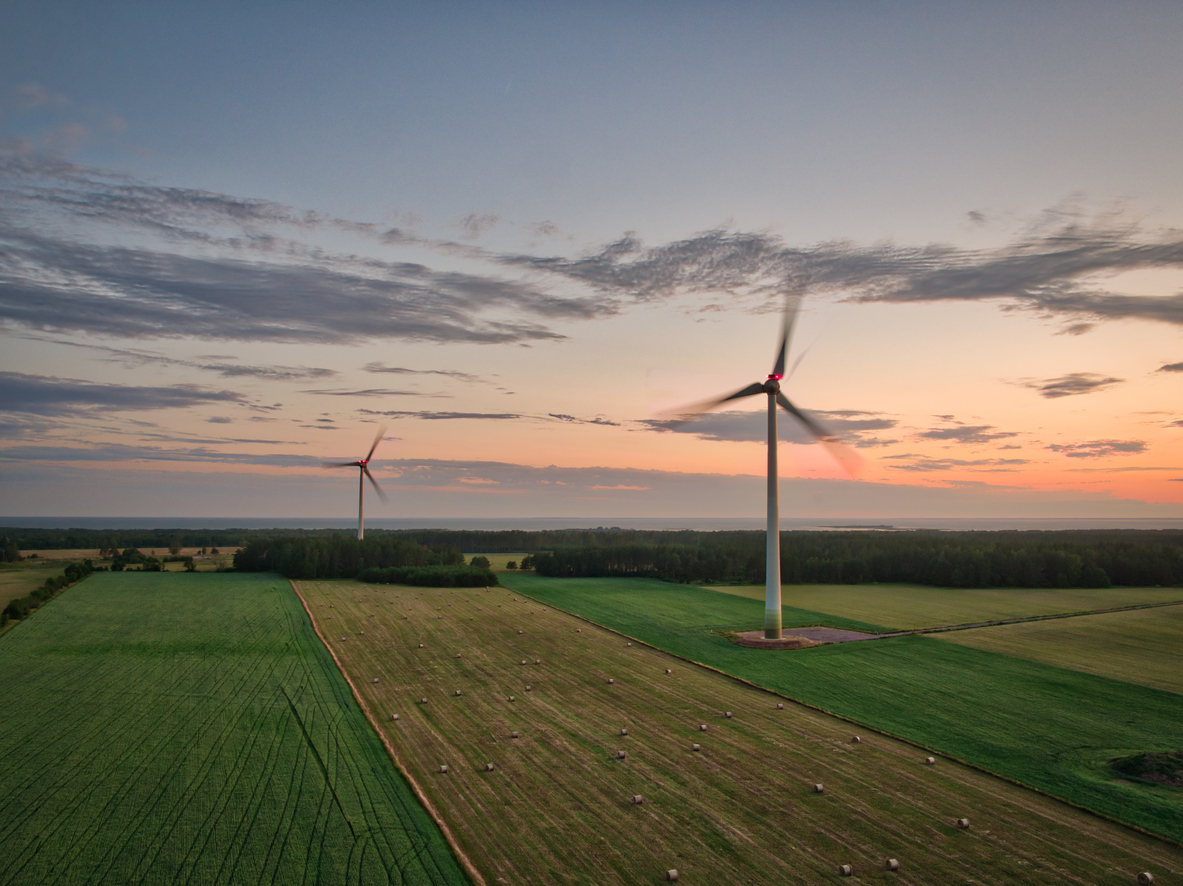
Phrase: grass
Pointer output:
(22, 578)
(556, 808)
(192, 729)
(1143, 646)
(1048, 727)
(905, 607)
(497, 562)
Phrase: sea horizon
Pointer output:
(534, 524)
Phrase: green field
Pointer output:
(906, 607)
(164, 728)
(556, 807)
(1048, 727)
(22, 578)
(1143, 646)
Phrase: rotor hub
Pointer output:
(772, 385)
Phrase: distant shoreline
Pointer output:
(702, 524)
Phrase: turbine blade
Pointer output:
(791, 306)
(689, 412)
(374, 483)
(843, 454)
(377, 440)
(338, 464)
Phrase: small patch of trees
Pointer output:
(10, 552)
(471, 576)
(479, 562)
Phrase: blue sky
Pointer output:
(239, 238)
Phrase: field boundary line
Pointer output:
(974, 766)
(449, 837)
(1027, 618)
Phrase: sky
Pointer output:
(517, 241)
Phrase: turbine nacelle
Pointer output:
(772, 385)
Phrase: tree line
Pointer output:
(946, 559)
(22, 606)
(339, 555)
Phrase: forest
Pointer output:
(1029, 559)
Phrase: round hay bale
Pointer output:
(420, 645)
(628, 644)
(624, 732)
(513, 735)
(521, 632)
(695, 748)
(528, 688)
(511, 698)
(579, 630)
(620, 755)
(819, 788)
(488, 767)
(363, 633)
(375, 679)
(538, 661)
(610, 680)
(458, 655)
(930, 761)
(423, 701)
(1146, 878)
(443, 769)
(845, 870)
(394, 716)
(892, 864)
(702, 727)
(780, 705)
(457, 692)
(523, 661)
(668, 671)
(439, 616)
(672, 876)
(638, 799)
(855, 739)
(963, 823)
(727, 714)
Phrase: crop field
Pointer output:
(497, 562)
(1049, 727)
(465, 669)
(906, 607)
(192, 729)
(1144, 646)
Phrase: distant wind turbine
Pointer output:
(362, 476)
(846, 457)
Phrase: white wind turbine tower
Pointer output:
(771, 386)
(363, 475)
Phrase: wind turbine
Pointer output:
(363, 475)
(771, 387)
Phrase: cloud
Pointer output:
(747, 426)
(570, 419)
(43, 395)
(1099, 448)
(398, 370)
(185, 262)
(447, 416)
(1171, 367)
(1071, 385)
(1051, 269)
(924, 464)
(370, 392)
(475, 224)
(137, 357)
(214, 266)
(966, 434)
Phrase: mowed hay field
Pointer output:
(1049, 727)
(908, 607)
(193, 729)
(557, 808)
(1143, 646)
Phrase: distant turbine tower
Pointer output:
(362, 476)
(845, 457)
